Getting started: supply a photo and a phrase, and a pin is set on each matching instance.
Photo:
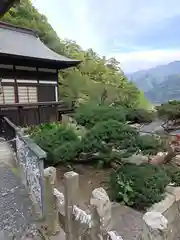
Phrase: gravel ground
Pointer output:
(15, 206)
(127, 222)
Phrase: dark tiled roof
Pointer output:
(5, 6)
(22, 42)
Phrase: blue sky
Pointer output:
(139, 33)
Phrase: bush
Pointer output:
(174, 173)
(139, 115)
(89, 115)
(105, 136)
(108, 134)
(58, 141)
(122, 137)
(139, 186)
(150, 145)
(169, 110)
(66, 152)
(62, 144)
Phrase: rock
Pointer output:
(136, 125)
(159, 129)
(112, 235)
(67, 119)
(174, 191)
(101, 202)
(176, 160)
(155, 221)
(3, 237)
(137, 159)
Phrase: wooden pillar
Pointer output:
(39, 115)
(16, 93)
(21, 117)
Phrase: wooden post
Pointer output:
(51, 214)
(39, 115)
(71, 182)
(21, 116)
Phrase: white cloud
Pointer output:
(137, 60)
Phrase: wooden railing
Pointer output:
(63, 211)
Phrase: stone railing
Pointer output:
(63, 212)
(162, 221)
(29, 160)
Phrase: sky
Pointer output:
(140, 34)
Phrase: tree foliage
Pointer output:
(97, 78)
(88, 115)
(139, 115)
(169, 111)
(105, 142)
(57, 140)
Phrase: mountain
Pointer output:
(149, 79)
(167, 90)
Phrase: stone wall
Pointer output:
(162, 221)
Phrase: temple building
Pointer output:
(29, 76)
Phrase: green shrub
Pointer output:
(58, 141)
(66, 152)
(62, 144)
(105, 135)
(150, 145)
(89, 115)
(113, 132)
(34, 130)
(139, 186)
(126, 140)
(139, 115)
(169, 110)
(174, 173)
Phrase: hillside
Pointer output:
(148, 79)
(96, 79)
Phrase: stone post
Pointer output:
(51, 213)
(71, 183)
(101, 214)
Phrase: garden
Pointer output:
(103, 137)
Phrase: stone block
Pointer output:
(174, 191)
(171, 213)
(164, 205)
(169, 208)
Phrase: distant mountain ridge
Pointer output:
(161, 83)
(166, 90)
(147, 79)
